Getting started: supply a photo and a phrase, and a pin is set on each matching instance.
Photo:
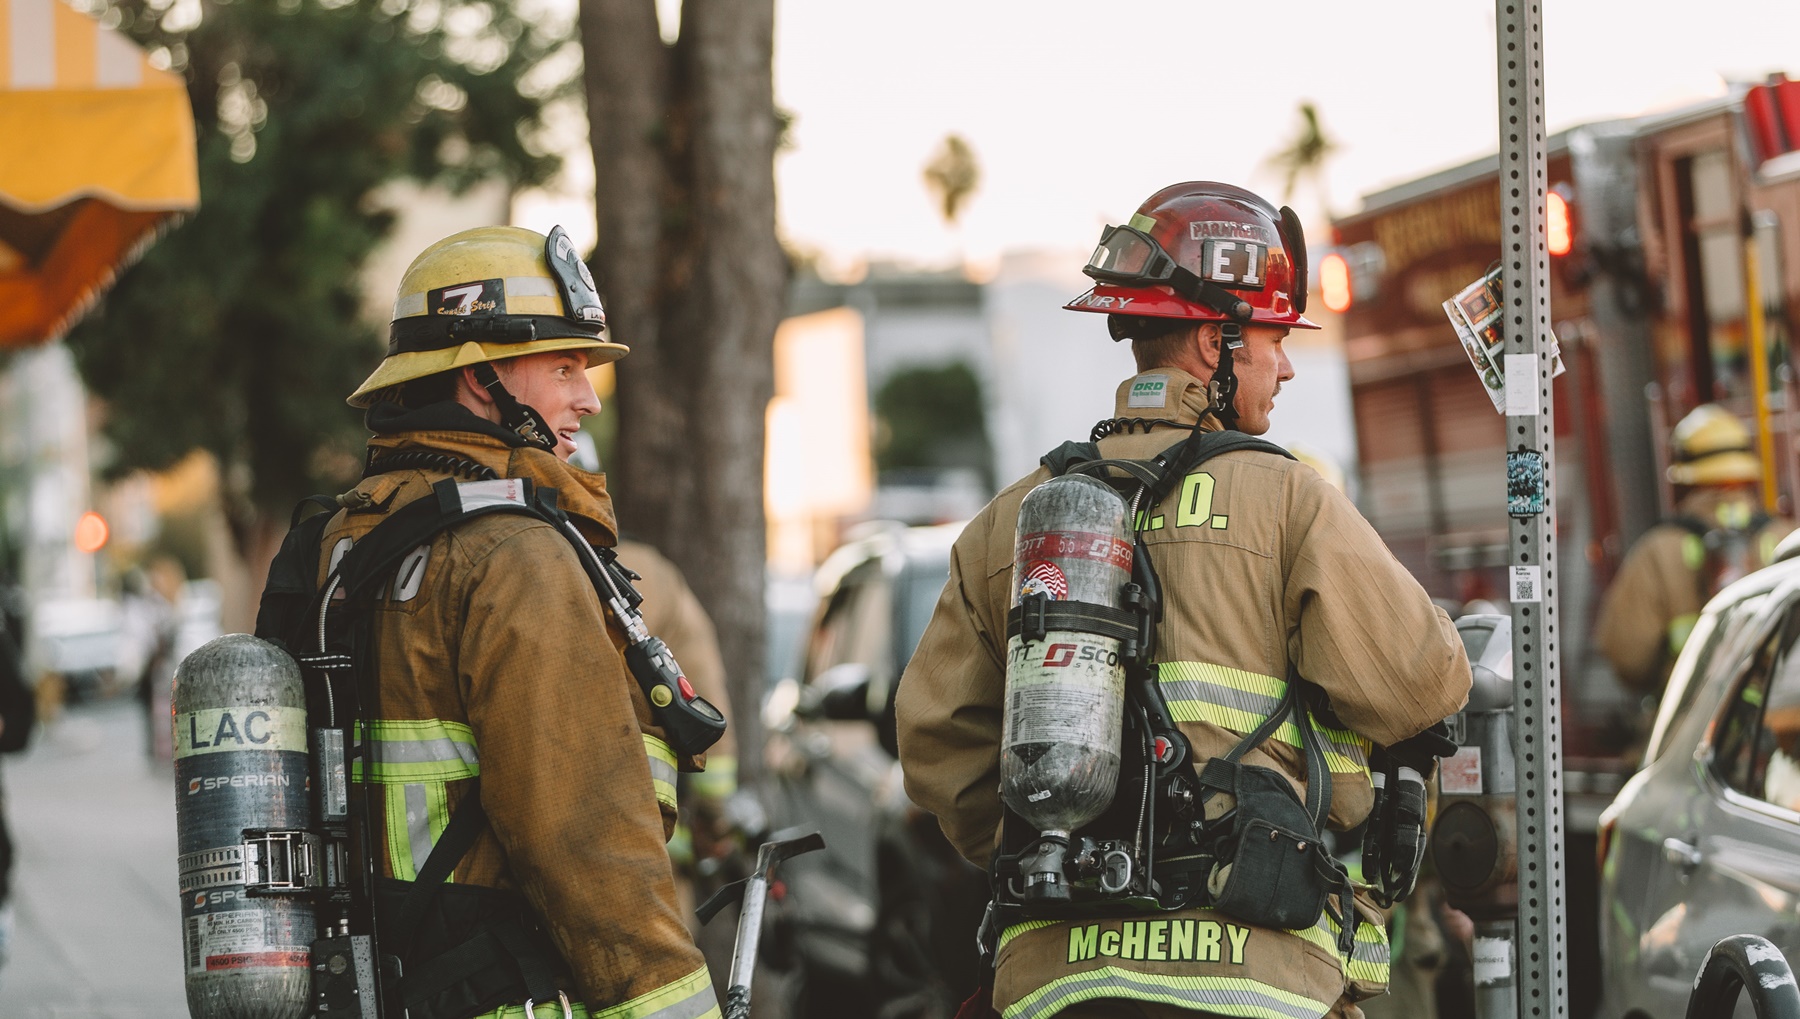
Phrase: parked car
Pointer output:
(1704, 842)
(882, 923)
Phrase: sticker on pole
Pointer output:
(1527, 583)
(1526, 482)
(1460, 773)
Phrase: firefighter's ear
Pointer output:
(1207, 339)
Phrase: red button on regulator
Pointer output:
(687, 689)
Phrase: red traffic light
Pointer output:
(1334, 281)
(91, 532)
(1558, 223)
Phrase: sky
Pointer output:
(1078, 111)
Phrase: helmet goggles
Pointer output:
(1127, 256)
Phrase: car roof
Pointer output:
(882, 539)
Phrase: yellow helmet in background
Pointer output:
(1710, 446)
(488, 294)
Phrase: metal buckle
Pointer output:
(562, 996)
(282, 862)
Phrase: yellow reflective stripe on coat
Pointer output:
(1020, 928)
(422, 750)
(539, 1010)
(1368, 960)
(1240, 701)
(718, 781)
(417, 814)
(1680, 628)
(1232, 996)
(691, 997)
(662, 769)
(415, 759)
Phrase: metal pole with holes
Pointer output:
(1541, 947)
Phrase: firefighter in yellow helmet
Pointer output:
(1718, 534)
(1267, 573)
(500, 675)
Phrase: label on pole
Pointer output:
(1522, 386)
(1525, 483)
(1493, 961)
(1527, 583)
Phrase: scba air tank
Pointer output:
(240, 763)
(1059, 765)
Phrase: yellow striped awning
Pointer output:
(98, 152)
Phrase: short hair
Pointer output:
(1155, 342)
(416, 393)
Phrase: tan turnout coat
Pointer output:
(1263, 564)
(500, 651)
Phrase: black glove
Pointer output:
(1421, 752)
(1394, 839)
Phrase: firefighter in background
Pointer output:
(1280, 569)
(1719, 534)
(674, 613)
(494, 657)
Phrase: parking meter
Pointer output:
(1474, 843)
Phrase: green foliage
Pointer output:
(239, 332)
(931, 417)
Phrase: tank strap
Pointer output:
(375, 554)
(1035, 616)
(288, 594)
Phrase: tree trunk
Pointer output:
(695, 283)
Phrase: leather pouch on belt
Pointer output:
(1269, 871)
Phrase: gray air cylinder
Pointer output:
(240, 764)
(1059, 761)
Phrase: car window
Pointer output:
(1758, 743)
(1714, 630)
(856, 624)
(924, 586)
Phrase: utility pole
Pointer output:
(1539, 950)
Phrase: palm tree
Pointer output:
(1305, 156)
(953, 175)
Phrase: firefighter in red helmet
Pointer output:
(1268, 576)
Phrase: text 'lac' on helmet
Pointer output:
(1710, 446)
(1202, 250)
(488, 294)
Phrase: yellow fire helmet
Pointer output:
(1711, 446)
(488, 294)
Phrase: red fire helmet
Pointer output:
(1202, 250)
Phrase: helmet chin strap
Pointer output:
(1222, 390)
(517, 417)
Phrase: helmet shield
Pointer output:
(581, 299)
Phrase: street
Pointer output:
(97, 931)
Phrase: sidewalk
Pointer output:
(97, 932)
